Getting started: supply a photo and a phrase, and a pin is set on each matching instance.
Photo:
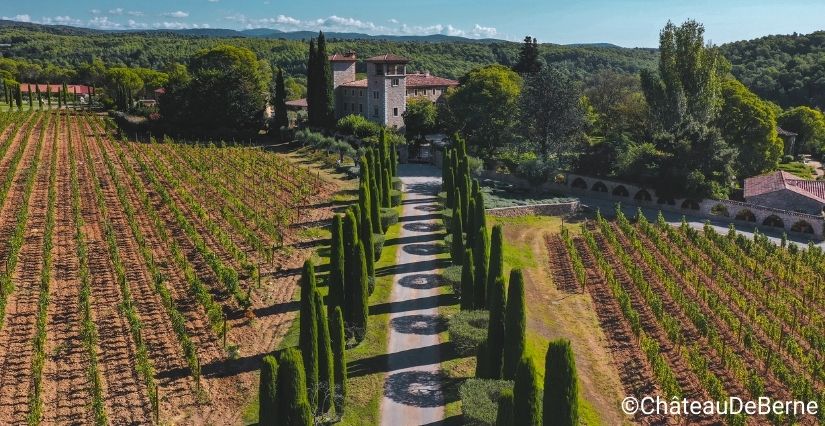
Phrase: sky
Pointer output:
(629, 23)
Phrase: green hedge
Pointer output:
(452, 274)
(447, 217)
(389, 217)
(378, 245)
(395, 197)
(467, 330)
(479, 400)
(396, 183)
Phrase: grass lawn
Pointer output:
(797, 168)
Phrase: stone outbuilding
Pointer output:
(782, 190)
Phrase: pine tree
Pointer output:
(526, 397)
(482, 353)
(467, 281)
(504, 416)
(337, 271)
(496, 268)
(495, 330)
(325, 373)
(308, 338)
(561, 385)
(482, 264)
(360, 307)
(326, 96)
(280, 118)
(313, 103)
(528, 57)
(457, 249)
(338, 341)
(515, 328)
(293, 406)
(267, 391)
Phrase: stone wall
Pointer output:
(556, 209)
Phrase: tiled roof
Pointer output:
(81, 90)
(389, 57)
(426, 80)
(783, 132)
(414, 81)
(343, 57)
(297, 103)
(780, 180)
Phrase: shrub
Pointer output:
(526, 395)
(338, 341)
(787, 159)
(358, 126)
(467, 329)
(395, 197)
(447, 218)
(506, 406)
(467, 281)
(495, 331)
(325, 373)
(452, 273)
(457, 244)
(359, 306)
(389, 217)
(396, 184)
(515, 324)
(496, 266)
(479, 400)
(536, 171)
(475, 165)
(293, 407)
(378, 245)
(482, 264)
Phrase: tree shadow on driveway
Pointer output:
(419, 324)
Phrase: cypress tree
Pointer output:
(338, 342)
(449, 188)
(482, 353)
(267, 391)
(467, 281)
(31, 101)
(375, 204)
(293, 406)
(39, 96)
(495, 330)
(394, 159)
(527, 400)
(19, 98)
(504, 416)
(496, 268)
(313, 103)
(280, 118)
(325, 373)
(308, 339)
(49, 95)
(561, 385)
(336, 279)
(366, 234)
(59, 99)
(326, 96)
(388, 191)
(471, 223)
(482, 263)
(515, 324)
(351, 264)
(481, 218)
(360, 307)
(457, 249)
(65, 95)
(445, 168)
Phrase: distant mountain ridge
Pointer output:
(271, 33)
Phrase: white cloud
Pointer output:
(104, 23)
(176, 14)
(61, 20)
(117, 11)
(136, 25)
(135, 13)
(18, 18)
(95, 11)
(348, 24)
(214, 1)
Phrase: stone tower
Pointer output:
(387, 89)
(343, 71)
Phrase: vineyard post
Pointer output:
(198, 377)
(157, 405)
(224, 330)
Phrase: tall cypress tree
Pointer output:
(388, 191)
(365, 231)
(308, 338)
(325, 372)
(31, 101)
(495, 330)
(338, 341)
(39, 96)
(515, 328)
(375, 203)
(326, 96)
(445, 167)
(471, 223)
(496, 268)
(457, 249)
(337, 272)
(561, 385)
(467, 281)
(351, 264)
(49, 95)
(527, 407)
(394, 159)
(313, 103)
(360, 305)
(449, 187)
(280, 118)
(504, 416)
(267, 391)
(482, 264)
(19, 98)
(293, 406)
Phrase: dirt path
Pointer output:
(413, 392)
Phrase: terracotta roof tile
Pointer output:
(343, 57)
(426, 80)
(389, 57)
(81, 89)
(356, 83)
(298, 103)
(781, 180)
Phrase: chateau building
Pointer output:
(382, 96)
(782, 190)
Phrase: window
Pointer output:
(394, 82)
(353, 92)
(375, 94)
(361, 93)
(379, 69)
(361, 108)
(353, 107)
(395, 112)
(416, 92)
(375, 112)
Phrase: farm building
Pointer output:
(782, 190)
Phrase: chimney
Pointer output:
(426, 73)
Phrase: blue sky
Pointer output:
(624, 22)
